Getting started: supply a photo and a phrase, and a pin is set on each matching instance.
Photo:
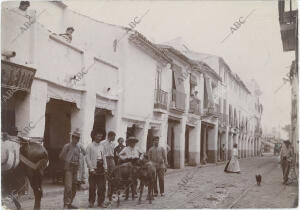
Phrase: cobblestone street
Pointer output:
(210, 187)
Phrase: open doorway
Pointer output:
(100, 119)
(57, 134)
(171, 143)
(149, 139)
(186, 150)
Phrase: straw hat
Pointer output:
(132, 139)
(76, 133)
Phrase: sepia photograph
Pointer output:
(162, 104)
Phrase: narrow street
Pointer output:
(210, 187)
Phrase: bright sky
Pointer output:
(252, 51)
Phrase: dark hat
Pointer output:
(155, 138)
(132, 139)
(70, 28)
(287, 141)
(25, 3)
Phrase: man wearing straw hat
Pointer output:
(71, 154)
(130, 153)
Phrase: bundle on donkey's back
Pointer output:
(124, 176)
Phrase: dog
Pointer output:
(258, 179)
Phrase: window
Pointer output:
(158, 79)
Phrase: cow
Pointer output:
(22, 158)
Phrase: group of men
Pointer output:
(101, 157)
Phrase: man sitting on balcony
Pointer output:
(68, 35)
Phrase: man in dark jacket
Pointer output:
(118, 149)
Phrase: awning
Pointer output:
(105, 103)
(15, 76)
(65, 94)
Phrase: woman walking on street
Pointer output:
(233, 165)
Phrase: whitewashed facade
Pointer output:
(130, 86)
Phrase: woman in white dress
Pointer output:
(233, 165)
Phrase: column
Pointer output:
(142, 136)
(225, 141)
(201, 91)
(244, 146)
(30, 112)
(195, 145)
(212, 144)
(230, 145)
(164, 132)
(179, 140)
(84, 118)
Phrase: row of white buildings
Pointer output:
(193, 101)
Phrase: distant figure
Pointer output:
(169, 154)
(68, 35)
(286, 156)
(118, 149)
(233, 165)
(223, 154)
(258, 179)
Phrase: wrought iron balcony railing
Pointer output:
(161, 99)
(178, 100)
(195, 105)
(223, 119)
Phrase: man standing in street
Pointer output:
(118, 149)
(108, 149)
(71, 154)
(157, 154)
(97, 166)
(286, 156)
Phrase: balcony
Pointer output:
(212, 111)
(160, 99)
(223, 119)
(178, 100)
(288, 27)
(195, 105)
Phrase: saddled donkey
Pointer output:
(22, 158)
(147, 175)
(124, 176)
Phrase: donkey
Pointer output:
(30, 161)
(147, 175)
